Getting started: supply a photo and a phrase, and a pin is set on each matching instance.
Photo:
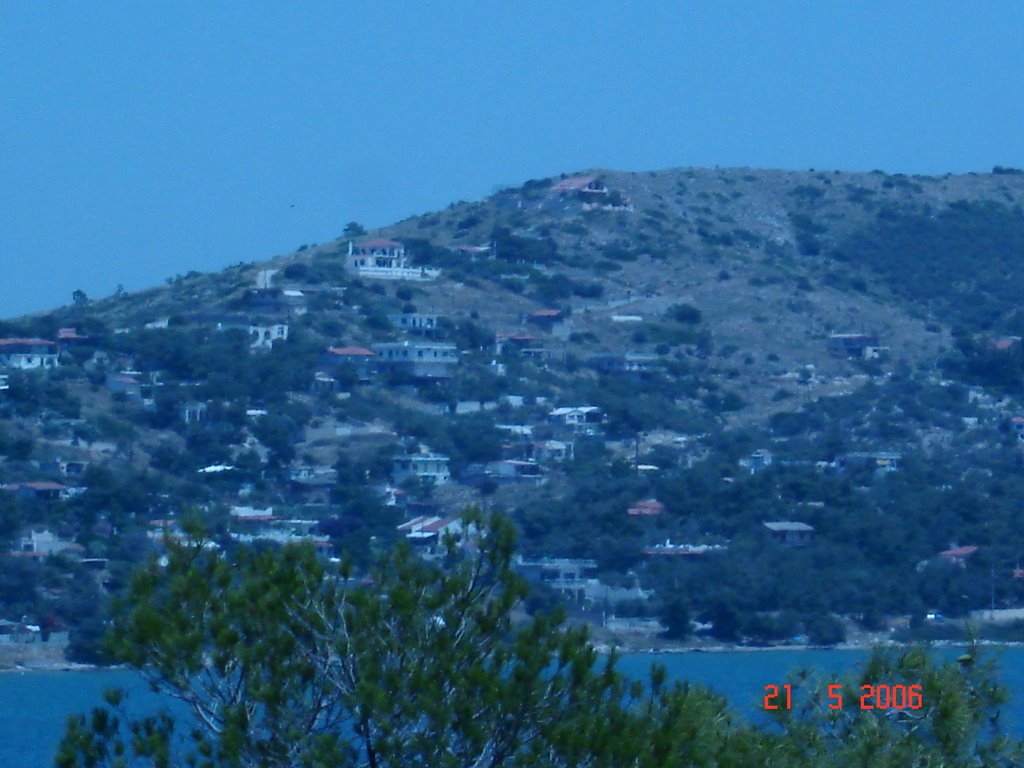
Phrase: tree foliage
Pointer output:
(283, 660)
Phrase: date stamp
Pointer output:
(880, 696)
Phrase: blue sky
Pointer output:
(143, 140)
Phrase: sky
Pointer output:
(139, 141)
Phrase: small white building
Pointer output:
(43, 543)
(264, 336)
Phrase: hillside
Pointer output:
(734, 346)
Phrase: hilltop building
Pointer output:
(385, 260)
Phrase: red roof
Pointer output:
(22, 342)
(379, 243)
(514, 336)
(958, 553)
(69, 333)
(427, 524)
(351, 351)
(44, 485)
(573, 184)
(37, 486)
(439, 524)
(648, 507)
(546, 313)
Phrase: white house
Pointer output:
(27, 354)
(424, 466)
(386, 260)
(578, 416)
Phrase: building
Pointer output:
(790, 533)
(583, 186)
(362, 360)
(252, 514)
(28, 354)
(70, 336)
(385, 260)
(758, 460)
(958, 555)
(880, 461)
(432, 467)
(668, 549)
(545, 318)
(514, 342)
(646, 508)
(422, 360)
(429, 528)
(43, 544)
(264, 336)
(566, 575)
(66, 467)
(42, 490)
(509, 471)
(579, 417)
(415, 322)
(628, 363)
(551, 450)
(861, 345)
(193, 413)
(134, 386)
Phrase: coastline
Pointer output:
(37, 665)
(631, 648)
(29, 664)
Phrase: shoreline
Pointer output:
(56, 666)
(607, 648)
(603, 649)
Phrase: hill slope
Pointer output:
(830, 348)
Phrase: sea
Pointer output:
(35, 705)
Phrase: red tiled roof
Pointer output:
(427, 524)
(546, 313)
(44, 485)
(20, 342)
(958, 553)
(514, 336)
(69, 333)
(351, 351)
(648, 507)
(575, 183)
(439, 525)
(379, 243)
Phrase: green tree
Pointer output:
(354, 229)
(283, 660)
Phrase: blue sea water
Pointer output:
(34, 706)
